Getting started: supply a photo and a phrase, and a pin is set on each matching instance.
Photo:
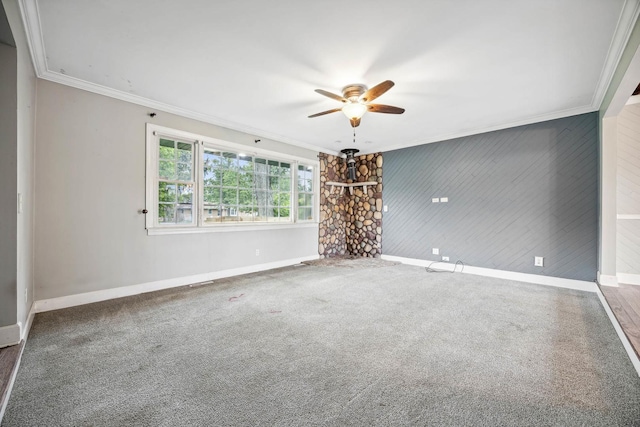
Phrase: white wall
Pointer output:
(90, 185)
(22, 182)
(628, 191)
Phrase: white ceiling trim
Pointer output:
(167, 108)
(532, 120)
(31, 19)
(628, 18)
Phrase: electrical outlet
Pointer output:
(445, 258)
(435, 200)
(538, 261)
(257, 252)
(435, 251)
(444, 199)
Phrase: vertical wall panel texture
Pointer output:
(513, 194)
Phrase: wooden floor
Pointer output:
(625, 304)
(8, 363)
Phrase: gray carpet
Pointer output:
(343, 343)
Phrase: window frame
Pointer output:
(200, 143)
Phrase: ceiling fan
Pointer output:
(357, 98)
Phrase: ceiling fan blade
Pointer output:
(379, 108)
(331, 95)
(355, 122)
(377, 90)
(325, 112)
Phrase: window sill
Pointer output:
(222, 228)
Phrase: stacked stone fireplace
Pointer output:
(350, 224)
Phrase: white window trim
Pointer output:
(200, 142)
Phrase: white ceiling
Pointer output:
(460, 67)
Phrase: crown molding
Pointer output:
(528, 121)
(626, 22)
(33, 29)
(168, 108)
(31, 20)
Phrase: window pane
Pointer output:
(229, 196)
(184, 214)
(167, 169)
(284, 213)
(261, 166)
(185, 152)
(184, 172)
(212, 196)
(245, 163)
(308, 185)
(274, 167)
(304, 214)
(245, 180)
(284, 199)
(210, 213)
(261, 182)
(285, 169)
(167, 149)
(273, 183)
(245, 198)
(166, 213)
(230, 178)
(308, 199)
(285, 183)
(185, 193)
(212, 159)
(229, 213)
(230, 160)
(166, 192)
(246, 213)
(212, 176)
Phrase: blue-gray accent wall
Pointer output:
(513, 194)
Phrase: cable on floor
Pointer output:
(428, 268)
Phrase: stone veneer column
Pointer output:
(350, 224)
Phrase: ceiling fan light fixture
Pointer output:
(354, 110)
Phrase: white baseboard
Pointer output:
(560, 282)
(9, 335)
(125, 291)
(607, 280)
(629, 279)
(24, 330)
(623, 338)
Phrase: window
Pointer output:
(194, 182)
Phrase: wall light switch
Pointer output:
(19, 203)
(257, 252)
(444, 199)
(445, 258)
(385, 208)
(538, 261)
(435, 251)
(435, 200)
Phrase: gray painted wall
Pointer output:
(90, 184)
(9, 180)
(513, 194)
